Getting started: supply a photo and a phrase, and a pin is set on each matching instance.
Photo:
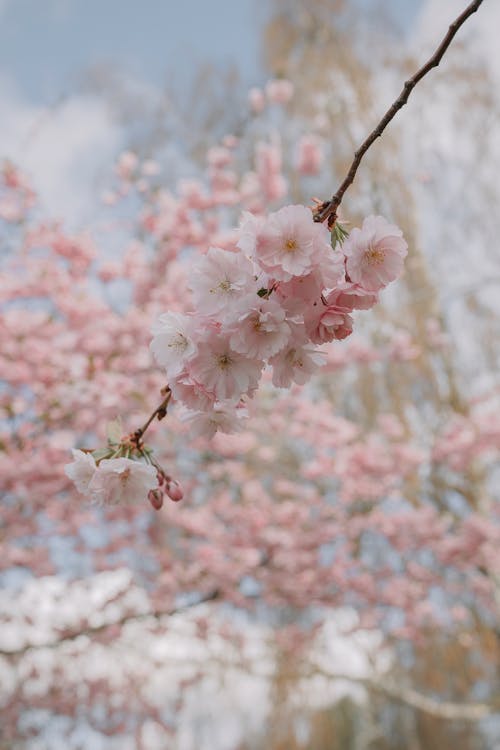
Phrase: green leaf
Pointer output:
(338, 235)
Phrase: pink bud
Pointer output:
(174, 491)
(155, 497)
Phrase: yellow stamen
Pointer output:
(374, 257)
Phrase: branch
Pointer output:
(160, 413)
(448, 710)
(64, 637)
(157, 614)
(328, 209)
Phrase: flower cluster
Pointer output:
(113, 480)
(124, 472)
(285, 289)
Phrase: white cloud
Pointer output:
(62, 148)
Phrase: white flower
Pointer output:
(296, 363)
(122, 480)
(375, 253)
(220, 278)
(223, 371)
(224, 417)
(81, 470)
(287, 244)
(172, 343)
(261, 329)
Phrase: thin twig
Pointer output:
(159, 413)
(328, 209)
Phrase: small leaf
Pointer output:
(114, 431)
(338, 235)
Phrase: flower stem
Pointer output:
(159, 413)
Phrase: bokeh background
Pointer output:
(89, 659)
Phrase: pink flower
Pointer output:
(81, 470)
(268, 165)
(172, 343)
(219, 157)
(224, 417)
(352, 297)
(279, 90)
(296, 363)
(301, 292)
(221, 278)
(308, 155)
(261, 330)
(223, 371)
(375, 253)
(122, 480)
(327, 322)
(192, 394)
(289, 243)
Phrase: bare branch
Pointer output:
(328, 209)
(66, 636)
(442, 709)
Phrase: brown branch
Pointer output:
(328, 209)
(159, 413)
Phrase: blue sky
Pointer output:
(62, 136)
(45, 45)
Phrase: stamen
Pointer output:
(224, 361)
(374, 257)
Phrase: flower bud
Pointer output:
(174, 491)
(155, 497)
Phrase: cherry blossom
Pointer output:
(287, 244)
(375, 253)
(261, 329)
(309, 155)
(173, 343)
(222, 417)
(121, 480)
(295, 364)
(223, 370)
(219, 279)
(279, 90)
(81, 470)
(328, 322)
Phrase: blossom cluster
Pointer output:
(114, 480)
(123, 472)
(119, 479)
(285, 289)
